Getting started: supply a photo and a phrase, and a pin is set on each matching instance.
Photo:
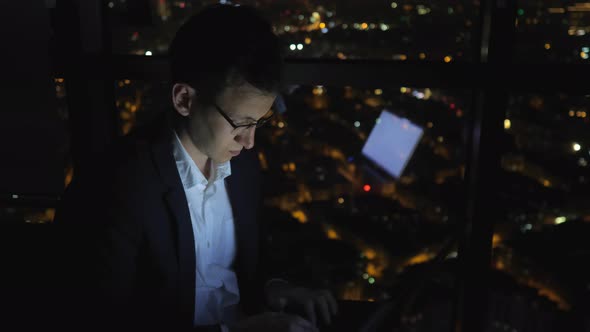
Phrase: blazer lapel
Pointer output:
(175, 198)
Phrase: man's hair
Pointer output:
(225, 45)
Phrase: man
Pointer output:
(163, 234)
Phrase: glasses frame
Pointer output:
(236, 127)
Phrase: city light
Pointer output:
(307, 40)
(365, 276)
(322, 25)
(281, 124)
(318, 90)
(422, 56)
(378, 92)
(418, 94)
(293, 47)
(430, 125)
(507, 124)
(547, 46)
(577, 147)
(357, 124)
(148, 53)
(364, 26)
(300, 216)
(300, 46)
(422, 10)
(560, 220)
(332, 234)
(371, 280)
(340, 200)
(367, 188)
(584, 55)
(325, 30)
(448, 59)
(394, 5)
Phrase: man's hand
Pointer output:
(281, 295)
(273, 322)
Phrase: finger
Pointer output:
(300, 324)
(322, 306)
(310, 311)
(277, 303)
(332, 302)
(303, 328)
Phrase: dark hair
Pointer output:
(226, 45)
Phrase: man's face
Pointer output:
(213, 135)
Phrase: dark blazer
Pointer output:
(128, 241)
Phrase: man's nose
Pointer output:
(247, 138)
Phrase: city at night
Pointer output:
(404, 165)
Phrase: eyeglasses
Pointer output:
(241, 127)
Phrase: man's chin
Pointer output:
(222, 160)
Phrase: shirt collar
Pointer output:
(190, 174)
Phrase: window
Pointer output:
(334, 218)
(138, 101)
(540, 237)
(553, 31)
(393, 30)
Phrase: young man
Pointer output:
(164, 232)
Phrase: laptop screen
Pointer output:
(392, 142)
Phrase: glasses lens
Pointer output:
(265, 119)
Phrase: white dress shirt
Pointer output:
(216, 293)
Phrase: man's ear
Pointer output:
(183, 96)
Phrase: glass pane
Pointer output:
(553, 31)
(358, 230)
(393, 30)
(138, 101)
(26, 215)
(540, 241)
